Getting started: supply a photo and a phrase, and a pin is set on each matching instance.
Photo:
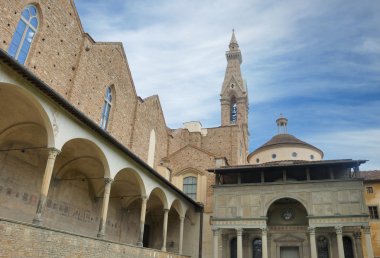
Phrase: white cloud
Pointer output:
(291, 49)
(361, 144)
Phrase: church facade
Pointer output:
(88, 163)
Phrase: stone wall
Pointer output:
(25, 240)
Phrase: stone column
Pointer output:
(264, 242)
(103, 215)
(313, 246)
(239, 233)
(339, 239)
(368, 243)
(142, 220)
(216, 236)
(45, 185)
(181, 220)
(165, 229)
(358, 244)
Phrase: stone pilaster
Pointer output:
(313, 246)
(339, 238)
(368, 241)
(264, 242)
(215, 247)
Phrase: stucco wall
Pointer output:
(319, 198)
(373, 199)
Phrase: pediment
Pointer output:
(289, 238)
(232, 85)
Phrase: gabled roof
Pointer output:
(373, 175)
(189, 146)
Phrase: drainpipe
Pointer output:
(200, 230)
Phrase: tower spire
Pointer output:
(233, 42)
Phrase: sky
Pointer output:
(317, 62)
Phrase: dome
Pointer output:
(284, 146)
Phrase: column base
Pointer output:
(100, 235)
(163, 249)
(37, 222)
(139, 244)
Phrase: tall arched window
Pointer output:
(152, 148)
(190, 186)
(106, 109)
(257, 248)
(323, 247)
(233, 110)
(348, 249)
(24, 34)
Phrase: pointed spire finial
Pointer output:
(233, 43)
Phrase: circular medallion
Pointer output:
(287, 214)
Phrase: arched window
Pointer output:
(257, 248)
(106, 109)
(233, 248)
(24, 34)
(323, 247)
(233, 110)
(347, 245)
(190, 187)
(152, 148)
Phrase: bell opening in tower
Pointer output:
(233, 110)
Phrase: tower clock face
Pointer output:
(287, 214)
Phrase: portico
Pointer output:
(283, 218)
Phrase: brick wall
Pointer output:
(25, 240)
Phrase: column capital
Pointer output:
(264, 230)
(311, 230)
(339, 230)
(239, 231)
(108, 180)
(216, 231)
(166, 210)
(357, 235)
(53, 153)
(181, 218)
(367, 229)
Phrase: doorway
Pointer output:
(289, 252)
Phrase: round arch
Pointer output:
(130, 177)
(295, 198)
(28, 108)
(81, 147)
(179, 207)
(161, 195)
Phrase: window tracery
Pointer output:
(25, 31)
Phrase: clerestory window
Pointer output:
(106, 109)
(25, 31)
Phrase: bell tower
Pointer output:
(234, 100)
(233, 97)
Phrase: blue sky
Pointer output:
(317, 62)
